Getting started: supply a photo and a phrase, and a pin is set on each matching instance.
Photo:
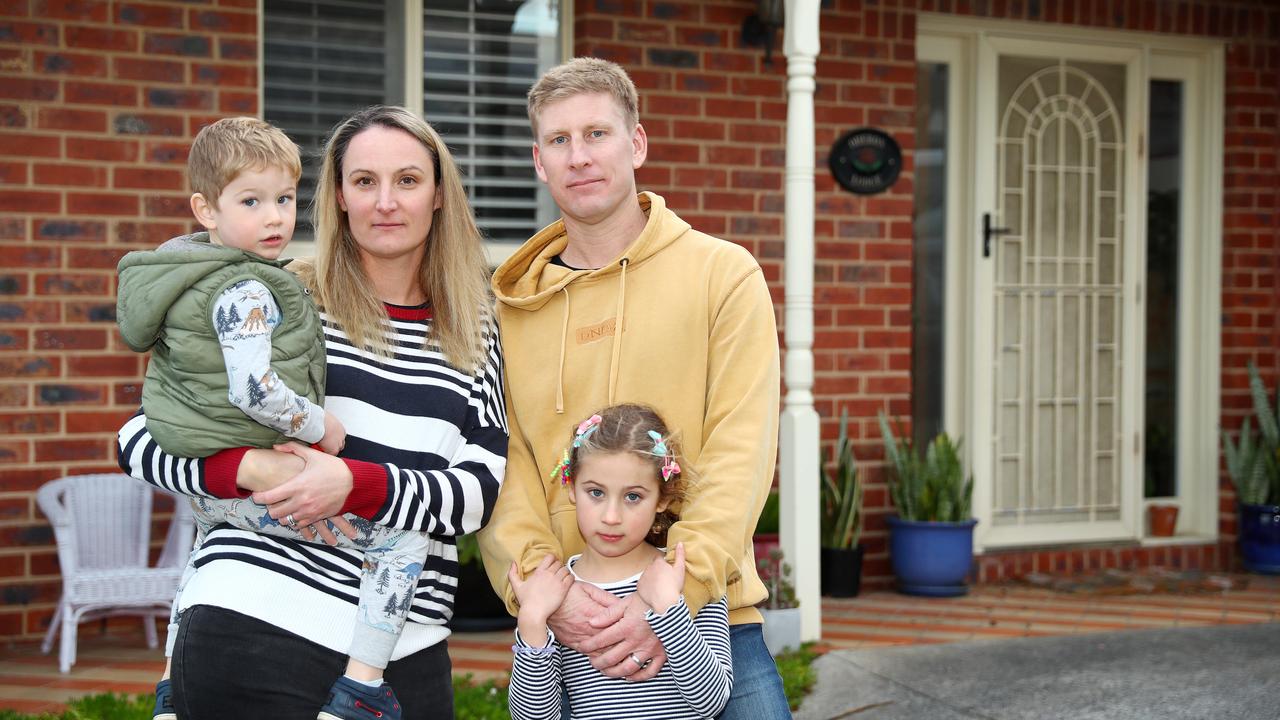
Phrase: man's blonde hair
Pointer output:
(230, 146)
(453, 273)
(581, 76)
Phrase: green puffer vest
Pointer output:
(163, 305)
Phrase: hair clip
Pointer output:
(669, 465)
(585, 428)
(561, 471)
(669, 468)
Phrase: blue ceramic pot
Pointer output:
(931, 558)
(1260, 538)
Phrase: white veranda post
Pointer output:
(798, 447)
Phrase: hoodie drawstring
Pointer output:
(617, 330)
(564, 339)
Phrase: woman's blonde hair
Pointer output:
(453, 274)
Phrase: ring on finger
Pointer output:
(641, 663)
(288, 520)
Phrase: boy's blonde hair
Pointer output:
(230, 146)
(581, 76)
(453, 273)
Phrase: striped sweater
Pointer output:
(426, 445)
(695, 682)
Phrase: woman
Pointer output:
(414, 371)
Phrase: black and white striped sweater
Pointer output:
(694, 683)
(426, 445)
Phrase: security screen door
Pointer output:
(1056, 292)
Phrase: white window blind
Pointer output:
(325, 59)
(479, 59)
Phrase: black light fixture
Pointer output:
(760, 28)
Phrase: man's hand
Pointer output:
(625, 645)
(571, 623)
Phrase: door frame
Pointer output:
(1198, 63)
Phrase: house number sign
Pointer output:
(865, 161)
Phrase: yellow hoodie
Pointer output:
(698, 343)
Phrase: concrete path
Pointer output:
(1201, 673)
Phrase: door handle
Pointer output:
(988, 231)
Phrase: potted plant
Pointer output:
(1253, 463)
(765, 537)
(931, 539)
(841, 521)
(476, 607)
(781, 610)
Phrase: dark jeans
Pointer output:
(230, 665)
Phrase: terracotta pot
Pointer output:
(1163, 520)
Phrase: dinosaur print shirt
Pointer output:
(245, 316)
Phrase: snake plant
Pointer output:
(842, 495)
(1253, 462)
(928, 488)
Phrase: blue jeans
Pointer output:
(757, 686)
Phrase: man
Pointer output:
(622, 301)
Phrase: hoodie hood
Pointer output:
(529, 278)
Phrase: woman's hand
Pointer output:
(661, 584)
(316, 493)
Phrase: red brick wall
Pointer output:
(716, 118)
(98, 103)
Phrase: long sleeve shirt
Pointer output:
(426, 446)
(695, 682)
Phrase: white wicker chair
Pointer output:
(102, 525)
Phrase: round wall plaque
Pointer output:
(865, 161)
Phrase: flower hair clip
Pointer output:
(669, 465)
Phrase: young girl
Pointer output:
(624, 472)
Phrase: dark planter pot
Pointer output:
(762, 543)
(476, 608)
(841, 571)
(1260, 538)
(931, 558)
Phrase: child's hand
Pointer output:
(543, 592)
(335, 435)
(661, 584)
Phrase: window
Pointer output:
(1164, 183)
(469, 64)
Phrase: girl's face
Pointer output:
(389, 194)
(617, 497)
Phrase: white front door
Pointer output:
(1055, 355)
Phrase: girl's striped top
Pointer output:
(426, 445)
(695, 682)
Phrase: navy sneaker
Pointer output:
(350, 700)
(164, 702)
